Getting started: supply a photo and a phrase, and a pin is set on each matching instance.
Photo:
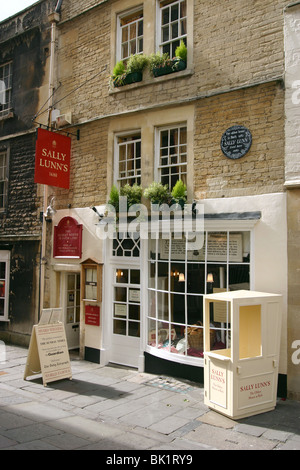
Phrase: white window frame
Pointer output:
(128, 286)
(119, 55)
(137, 171)
(5, 258)
(160, 42)
(5, 89)
(183, 167)
(215, 226)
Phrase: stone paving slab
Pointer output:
(113, 408)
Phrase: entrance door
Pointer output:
(126, 316)
(72, 309)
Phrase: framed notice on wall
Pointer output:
(91, 280)
(67, 241)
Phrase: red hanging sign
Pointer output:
(52, 159)
(67, 240)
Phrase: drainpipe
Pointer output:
(53, 19)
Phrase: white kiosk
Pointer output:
(241, 379)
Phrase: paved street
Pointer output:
(114, 408)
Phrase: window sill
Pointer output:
(9, 115)
(149, 80)
(179, 358)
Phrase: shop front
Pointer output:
(152, 285)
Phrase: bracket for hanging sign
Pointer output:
(53, 129)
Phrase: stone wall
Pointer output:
(229, 45)
(22, 216)
(261, 170)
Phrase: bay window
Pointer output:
(178, 279)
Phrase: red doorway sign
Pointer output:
(67, 242)
(52, 159)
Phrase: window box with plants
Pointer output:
(132, 193)
(162, 64)
(129, 72)
(158, 193)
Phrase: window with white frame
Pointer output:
(128, 159)
(5, 88)
(130, 33)
(171, 154)
(172, 27)
(179, 276)
(4, 284)
(3, 179)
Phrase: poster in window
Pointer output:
(216, 248)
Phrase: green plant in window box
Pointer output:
(179, 193)
(137, 63)
(119, 73)
(132, 72)
(133, 193)
(162, 64)
(114, 197)
(157, 193)
(181, 52)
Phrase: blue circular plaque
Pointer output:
(236, 142)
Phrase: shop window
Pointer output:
(172, 155)
(172, 25)
(178, 279)
(4, 284)
(5, 89)
(3, 179)
(128, 159)
(130, 34)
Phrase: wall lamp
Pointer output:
(98, 214)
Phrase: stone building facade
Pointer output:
(234, 76)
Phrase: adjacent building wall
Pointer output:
(25, 42)
(292, 183)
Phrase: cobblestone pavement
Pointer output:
(116, 408)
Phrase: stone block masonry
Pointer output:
(261, 170)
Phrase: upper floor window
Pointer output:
(172, 25)
(3, 179)
(128, 159)
(172, 155)
(130, 34)
(5, 88)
